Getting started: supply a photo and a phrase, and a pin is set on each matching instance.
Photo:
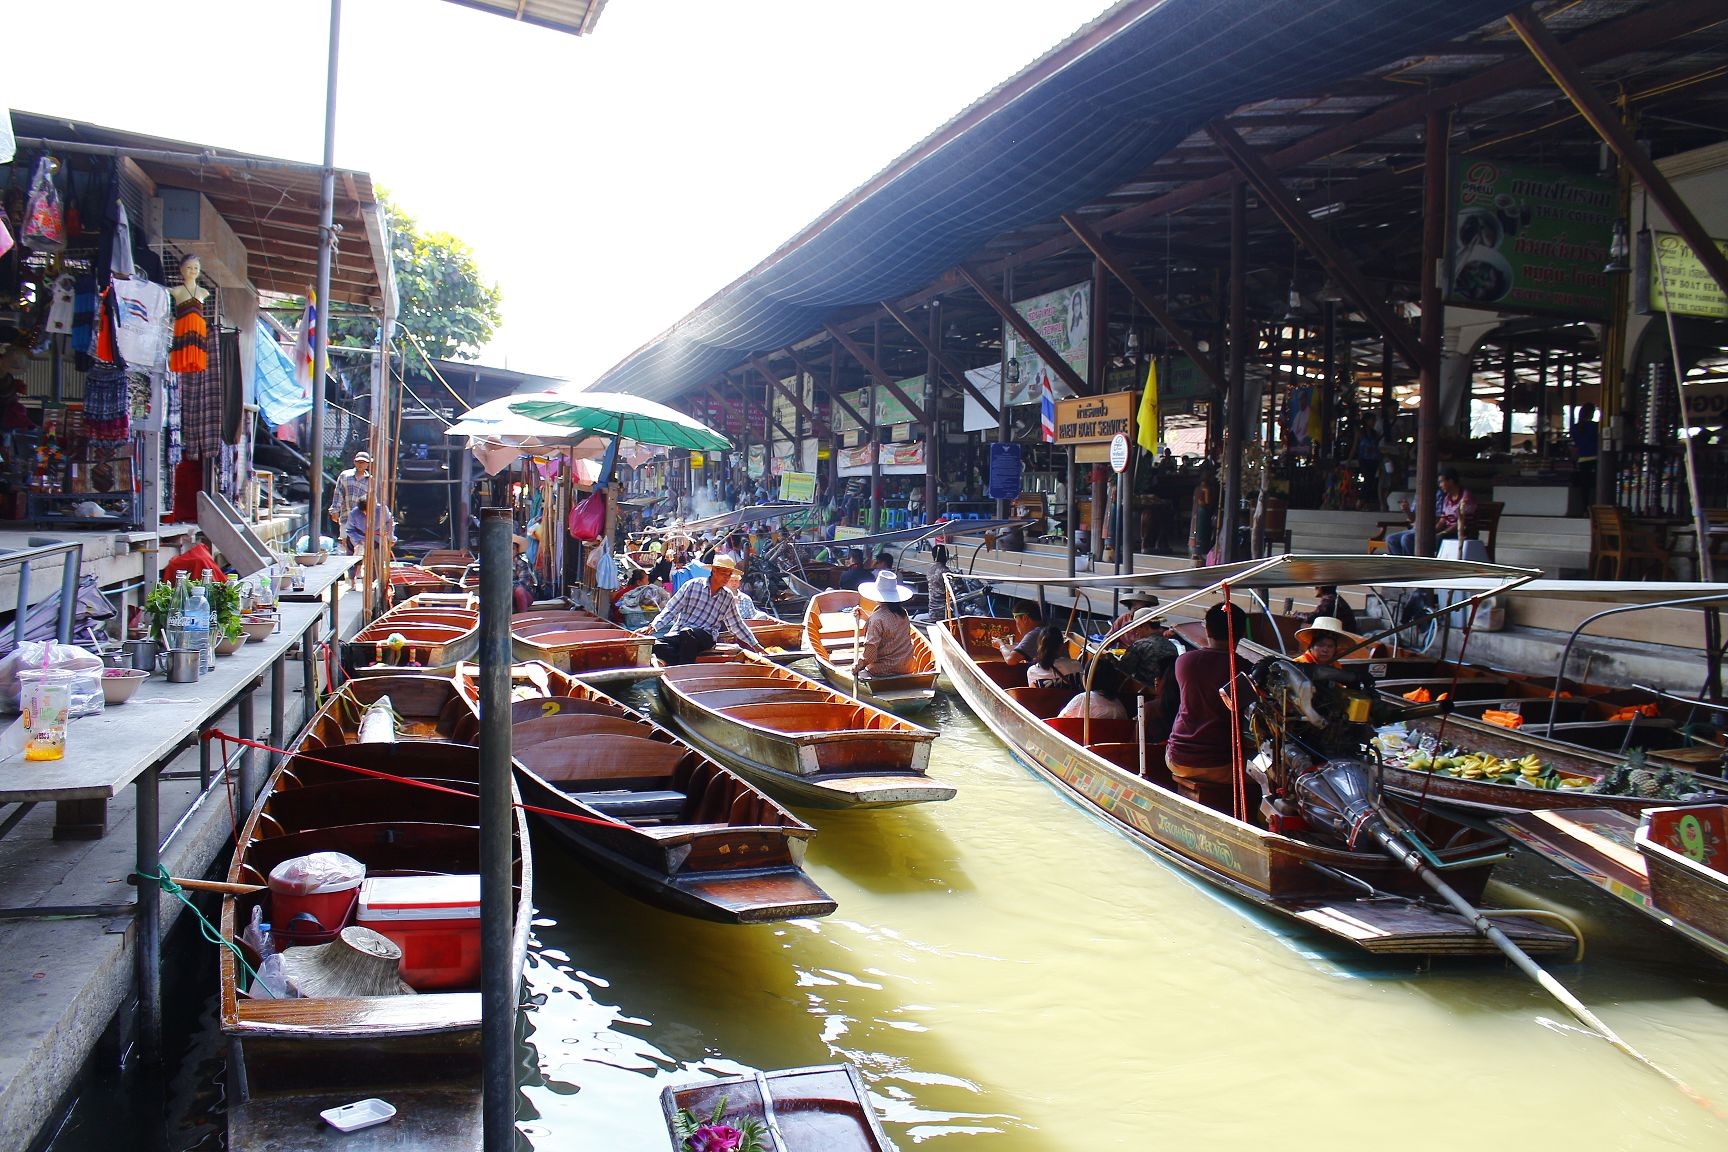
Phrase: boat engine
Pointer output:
(1309, 723)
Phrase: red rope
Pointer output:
(225, 739)
(1239, 773)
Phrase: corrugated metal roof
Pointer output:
(1088, 116)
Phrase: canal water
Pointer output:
(1010, 975)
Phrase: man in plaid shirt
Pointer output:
(698, 613)
(351, 487)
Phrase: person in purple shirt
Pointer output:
(1200, 753)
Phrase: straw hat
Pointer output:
(1327, 626)
(722, 560)
(1139, 596)
(886, 588)
(359, 962)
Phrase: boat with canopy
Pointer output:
(1303, 829)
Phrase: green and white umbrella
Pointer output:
(621, 415)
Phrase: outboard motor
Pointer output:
(1338, 797)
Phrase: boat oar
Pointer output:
(1333, 794)
(220, 886)
(856, 623)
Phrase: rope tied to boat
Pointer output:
(227, 738)
(209, 931)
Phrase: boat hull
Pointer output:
(800, 738)
(829, 634)
(823, 1109)
(1276, 872)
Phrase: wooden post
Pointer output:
(932, 405)
(1433, 328)
(1229, 507)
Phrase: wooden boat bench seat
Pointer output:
(1101, 731)
(541, 706)
(528, 733)
(635, 807)
(1043, 703)
(606, 756)
(764, 694)
(1004, 674)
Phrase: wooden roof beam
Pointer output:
(876, 373)
(804, 366)
(943, 360)
(750, 402)
(767, 371)
(1602, 117)
(1154, 307)
(1026, 332)
(1337, 264)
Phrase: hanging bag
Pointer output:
(588, 519)
(44, 223)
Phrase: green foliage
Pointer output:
(718, 1134)
(157, 605)
(225, 602)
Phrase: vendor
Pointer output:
(698, 614)
(1325, 639)
(886, 648)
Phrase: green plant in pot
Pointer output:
(157, 605)
(225, 609)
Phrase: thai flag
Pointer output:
(1047, 408)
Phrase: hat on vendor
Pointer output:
(1327, 626)
(359, 456)
(723, 561)
(886, 588)
(1139, 596)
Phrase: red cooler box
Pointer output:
(436, 920)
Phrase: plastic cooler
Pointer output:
(312, 897)
(435, 920)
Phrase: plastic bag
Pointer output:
(44, 222)
(317, 872)
(87, 697)
(588, 519)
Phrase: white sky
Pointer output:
(607, 183)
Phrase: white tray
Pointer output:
(360, 1114)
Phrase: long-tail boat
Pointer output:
(1669, 863)
(428, 631)
(821, 1109)
(800, 737)
(1371, 898)
(289, 1059)
(650, 814)
(830, 630)
(575, 640)
(409, 580)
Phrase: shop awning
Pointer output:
(1084, 119)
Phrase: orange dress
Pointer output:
(188, 352)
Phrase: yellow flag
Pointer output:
(1147, 418)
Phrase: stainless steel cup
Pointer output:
(144, 654)
(183, 664)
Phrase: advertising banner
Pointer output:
(897, 459)
(1528, 239)
(1691, 291)
(1064, 319)
(799, 487)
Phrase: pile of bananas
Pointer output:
(1528, 771)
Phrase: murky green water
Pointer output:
(1004, 967)
(1010, 975)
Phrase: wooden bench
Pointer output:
(1043, 703)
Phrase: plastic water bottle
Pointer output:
(176, 631)
(266, 591)
(198, 626)
(215, 634)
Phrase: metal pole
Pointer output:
(326, 241)
(1433, 330)
(148, 971)
(498, 985)
(932, 414)
(1235, 418)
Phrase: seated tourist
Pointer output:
(1054, 668)
(1200, 751)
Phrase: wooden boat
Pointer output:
(290, 1059)
(786, 635)
(800, 737)
(1300, 877)
(1669, 863)
(407, 580)
(576, 640)
(449, 563)
(821, 1109)
(433, 633)
(652, 815)
(829, 631)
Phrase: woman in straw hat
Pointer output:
(886, 648)
(1326, 639)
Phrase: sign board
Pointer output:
(1706, 402)
(1096, 452)
(1691, 289)
(1529, 239)
(798, 487)
(1064, 319)
(1119, 453)
(1094, 419)
(1006, 468)
(695, 459)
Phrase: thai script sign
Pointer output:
(1528, 239)
(1095, 419)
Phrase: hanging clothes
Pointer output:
(141, 312)
(107, 401)
(189, 352)
(201, 408)
(233, 386)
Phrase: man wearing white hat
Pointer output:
(350, 488)
(1327, 639)
(886, 648)
(698, 614)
